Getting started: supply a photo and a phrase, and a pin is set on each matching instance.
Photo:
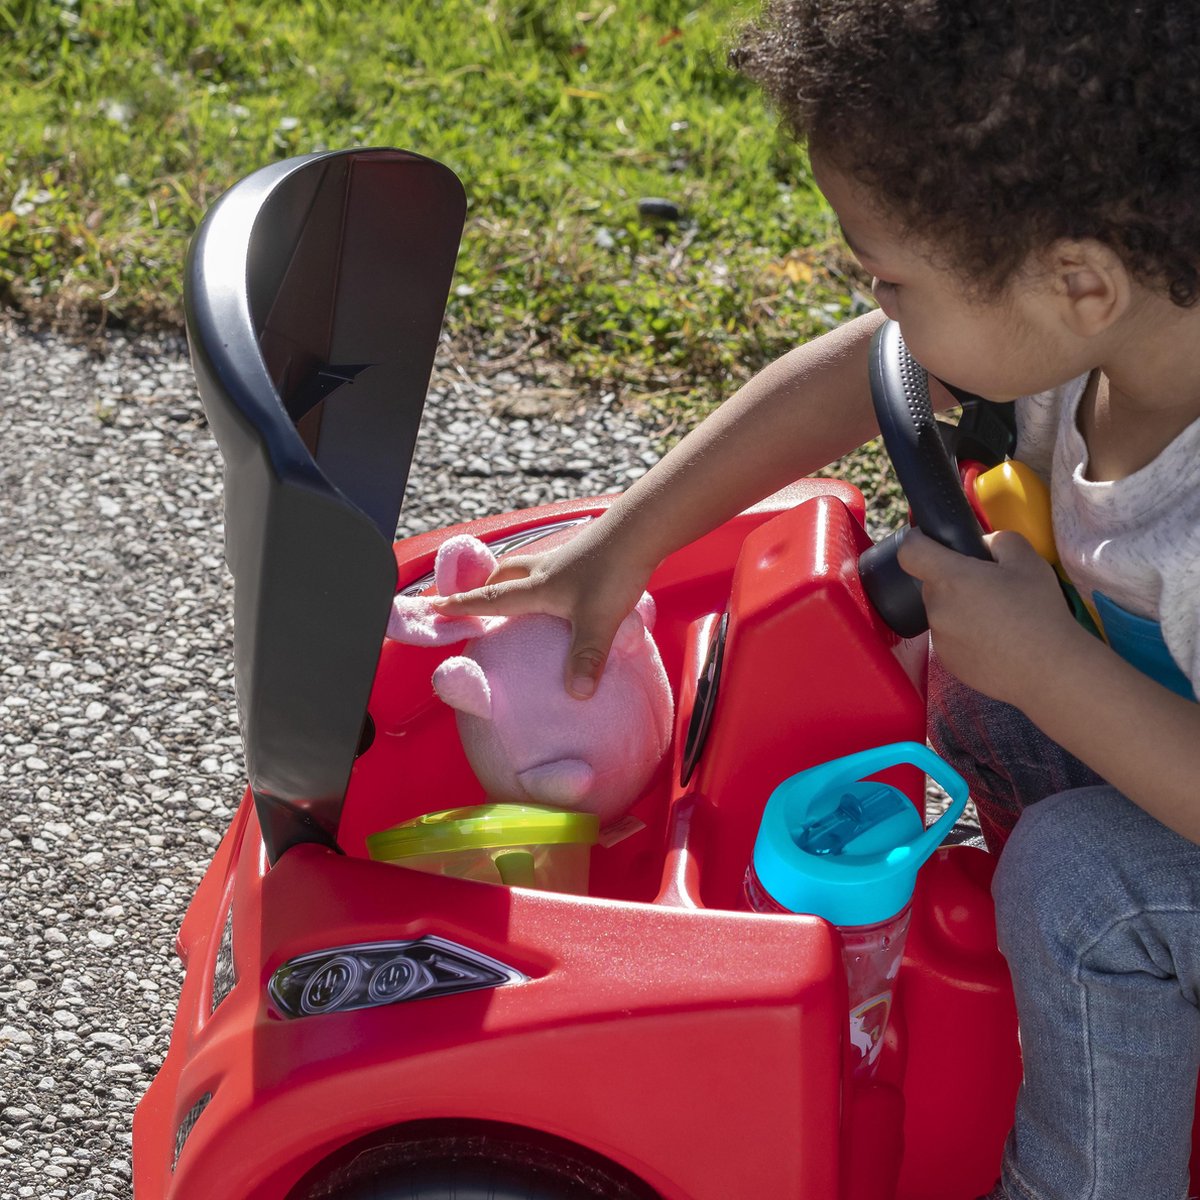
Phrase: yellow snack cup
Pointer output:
(516, 845)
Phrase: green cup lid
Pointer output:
(483, 827)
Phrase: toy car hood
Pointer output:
(314, 299)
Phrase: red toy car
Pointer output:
(348, 1028)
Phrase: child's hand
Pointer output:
(575, 581)
(997, 625)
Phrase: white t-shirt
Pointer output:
(1135, 540)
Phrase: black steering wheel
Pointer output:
(928, 475)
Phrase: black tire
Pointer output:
(455, 1181)
(469, 1163)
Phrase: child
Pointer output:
(1022, 178)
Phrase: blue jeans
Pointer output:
(1098, 915)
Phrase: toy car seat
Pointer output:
(315, 306)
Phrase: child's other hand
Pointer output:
(997, 625)
(574, 581)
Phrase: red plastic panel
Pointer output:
(809, 673)
(639, 1029)
(700, 1048)
(956, 1018)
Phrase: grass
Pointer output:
(122, 120)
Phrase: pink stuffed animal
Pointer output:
(527, 739)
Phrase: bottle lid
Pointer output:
(838, 845)
(483, 827)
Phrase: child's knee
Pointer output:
(1056, 870)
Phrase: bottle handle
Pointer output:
(953, 784)
(853, 768)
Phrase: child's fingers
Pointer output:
(1025, 567)
(499, 597)
(922, 557)
(587, 656)
(507, 569)
(1011, 549)
(590, 641)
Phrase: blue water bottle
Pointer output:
(838, 845)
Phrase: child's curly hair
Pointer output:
(991, 128)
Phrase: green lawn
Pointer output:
(122, 120)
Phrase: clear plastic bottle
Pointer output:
(837, 845)
(871, 955)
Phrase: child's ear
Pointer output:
(1092, 286)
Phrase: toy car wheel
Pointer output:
(458, 1181)
(470, 1164)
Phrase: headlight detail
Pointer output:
(224, 973)
(188, 1124)
(378, 973)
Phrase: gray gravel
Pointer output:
(120, 762)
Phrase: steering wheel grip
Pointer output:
(929, 477)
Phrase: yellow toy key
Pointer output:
(1013, 496)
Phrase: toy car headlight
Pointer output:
(224, 968)
(187, 1125)
(378, 973)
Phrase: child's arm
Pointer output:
(1002, 628)
(797, 415)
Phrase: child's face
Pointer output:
(1001, 349)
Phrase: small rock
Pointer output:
(654, 210)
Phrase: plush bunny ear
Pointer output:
(463, 563)
(629, 637)
(461, 683)
(648, 610)
(414, 621)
